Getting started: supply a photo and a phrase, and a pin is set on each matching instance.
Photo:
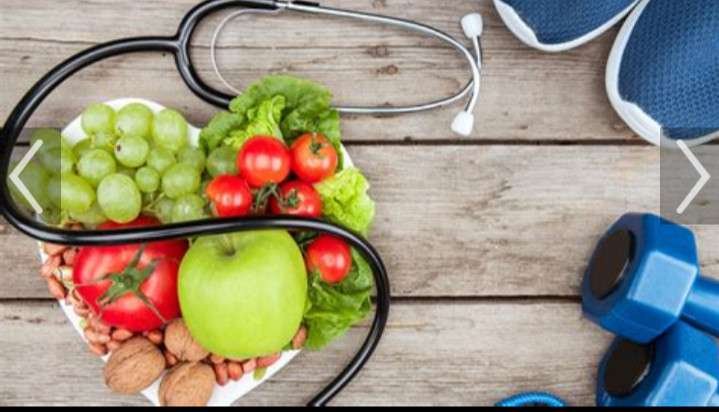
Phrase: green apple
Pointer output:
(243, 295)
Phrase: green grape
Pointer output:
(222, 161)
(119, 198)
(188, 207)
(135, 119)
(59, 159)
(193, 156)
(132, 151)
(163, 209)
(104, 141)
(37, 180)
(76, 194)
(98, 118)
(52, 216)
(169, 130)
(180, 179)
(91, 217)
(160, 159)
(127, 171)
(50, 138)
(53, 190)
(82, 147)
(147, 179)
(95, 165)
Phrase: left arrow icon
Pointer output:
(15, 177)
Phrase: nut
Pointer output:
(68, 256)
(170, 359)
(180, 342)
(187, 384)
(53, 249)
(215, 359)
(98, 349)
(155, 336)
(234, 371)
(47, 268)
(221, 373)
(57, 290)
(249, 366)
(267, 361)
(121, 335)
(134, 366)
(300, 337)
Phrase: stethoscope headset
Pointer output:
(179, 46)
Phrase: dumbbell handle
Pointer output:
(702, 306)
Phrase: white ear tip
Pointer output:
(472, 25)
(463, 124)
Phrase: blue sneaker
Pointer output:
(558, 25)
(663, 72)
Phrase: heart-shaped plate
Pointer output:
(233, 390)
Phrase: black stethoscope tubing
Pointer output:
(179, 46)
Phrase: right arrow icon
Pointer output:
(704, 177)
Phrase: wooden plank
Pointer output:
(527, 95)
(475, 220)
(458, 354)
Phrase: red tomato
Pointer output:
(297, 198)
(230, 195)
(313, 157)
(127, 292)
(263, 160)
(330, 257)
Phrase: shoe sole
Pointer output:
(525, 34)
(633, 115)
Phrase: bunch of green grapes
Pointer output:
(132, 162)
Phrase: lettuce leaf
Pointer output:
(333, 309)
(307, 108)
(261, 120)
(345, 200)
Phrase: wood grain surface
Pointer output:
(485, 238)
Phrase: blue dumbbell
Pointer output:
(680, 368)
(644, 277)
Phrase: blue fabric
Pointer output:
(528, 399)
(561, 21)
(670, 67)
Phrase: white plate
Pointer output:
(222, 395)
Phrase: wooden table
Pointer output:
(485, 238)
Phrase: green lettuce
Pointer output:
(345, 200)
(307, 108)
(333, 309)
(261, 120)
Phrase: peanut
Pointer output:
(47, 268)
(121, 335)
(53, 249)
(249, 366)
(170, 359)
(113, 345)
(98, 349)
(215, 359)
(234, 371)
(221, 374)
(267, 361)
(68, 256)
(98, 325)
(57, 290)
(300, 337)
(155, 336)
(81, 311)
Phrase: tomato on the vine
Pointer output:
(131, 286)
(230, 195)
(264, 160)
(330, 257)
(313, 157)
(296, 198)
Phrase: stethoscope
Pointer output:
(179, 46)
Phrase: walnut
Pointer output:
(187, 384)
(181, 344)
(134, 366)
